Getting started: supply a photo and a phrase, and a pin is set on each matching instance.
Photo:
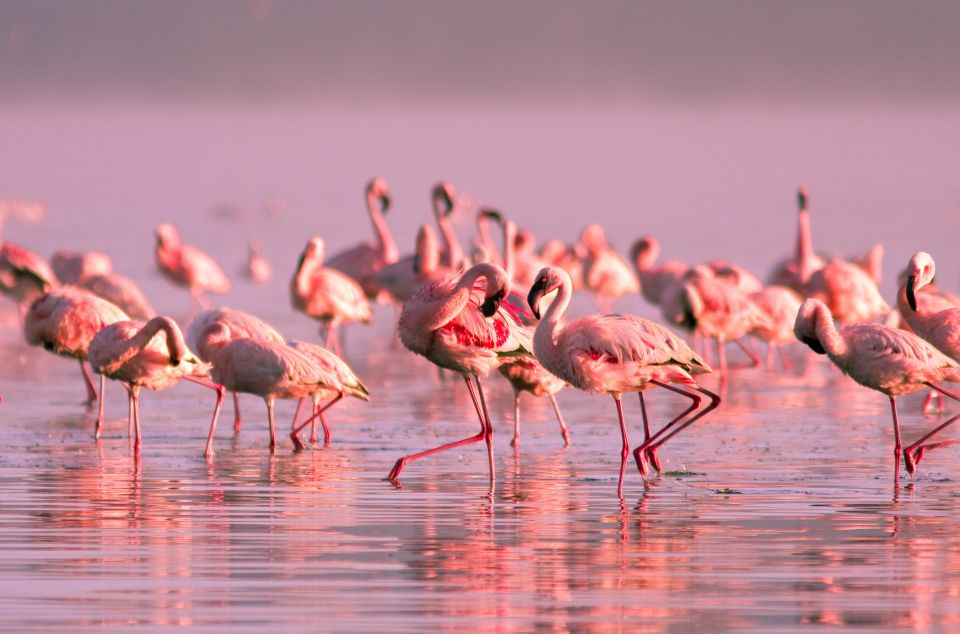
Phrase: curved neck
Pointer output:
(483, 230)
(450, 240)
(826, 330)
(449, 308)
(175, 344)
(428, 257)
(385, 243)
(301, 280)
(545, 336)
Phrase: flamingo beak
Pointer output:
(384, 203)
(912, 292)
(491, 304)
(537, 291)
(174, 361)
(814, 344)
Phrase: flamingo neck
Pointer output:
(549, 329)
(301, 281)
(460, 297)
(451, 241)
(509, 248)
(486, 241)
(385, 242)
(805, 255)
(831, 340)
(175, 344)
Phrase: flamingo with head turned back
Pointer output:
(258, 267)
(361, 262)
(606, 274)
(256, 366)
(339, 381)
(483, 241)
(93, 271)
(327, 294)
(891, 361)
(458, 326)
(64, 321)
(239, 325)
(188, 266)
(132, 353)
(614, 354)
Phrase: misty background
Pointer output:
(693, 121)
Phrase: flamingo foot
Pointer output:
(641, 463)
(566, 439)
(651, 453)
(397, 468)
(515, 442)
(236, 424)
(910, 461)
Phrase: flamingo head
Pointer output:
(549, 279)
(443, 199)
(524, 242)
(377, 189)
(645, 251)
(803, 197)
(490, 214)
(805, 327)
(593, 237)
(920, 272)
(167, 235)
(498, 287)
(313, 252)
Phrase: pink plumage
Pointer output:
(188, 266)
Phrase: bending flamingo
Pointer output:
(362, 261)
(24, 275)
(614, 354)
(327, 294)
(891, 361)
(93, 271)
(131, 352)
(188, 266)
(457, 326)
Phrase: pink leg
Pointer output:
(219, 389)
(236, 412)
(273, 429)
(914, 453)
(327, 436)
(103, 389)
(649, 439)
(516, 419)
(296, 414)
(489, 438)
(932, 396)
(563, 426)
(657, 441)
(897, 444)
(318, 413)
(402, 462)
(88, 382)
(784, 360)
(625, 450)
(129, 415)
(754, 359)
(138, 438)
(637, 456)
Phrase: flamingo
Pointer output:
(131, 352)
(72, 266)
(239, 325)
(606, 274)
(614, 354)
(483, 242)
(93, 271)
(734, 274)
(362, 261)
(327, 294)
(339, 381)
(559, 253)
(450, 323)
(186, 265)
(891, 361)
(401, 279)
(24, 275)
(849, 293)
(655, 279)
(258, 267)
(928, 315)
(256, 366)
(780, 304)
(64, 321)
(443, 198)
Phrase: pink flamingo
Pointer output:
(131, 352)
(185, 265)
(238, 325)
(93, 271)
(780, 304)
(362, 261)
(734, 274)
(72, 266)
(401, 279)
(255, 366)
(484, 240)
(605, 273)
(64, 321)
(930, 316)
(455, 327)
(559, 253)
(616, 354)
(796, 271)
(258, 267)
(849, 293)
(885, 359)
(655, 279)
(327, 294)
(24, 275)
(444, 199)
(339, 381)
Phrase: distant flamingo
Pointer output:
(327, 294)
(780, 304)
(258, 267)
(93, 271)
(24, 275)
(606, 274)
(526, 374)
(735, 275)
(362, 261)
(131, 352)
(484, 239)
(339, 380)
(559, 253)
(795, 272)
(269, 370)
(444, 199)
(655, 279)
(72, 266)
(456, 327)
(926, 317)
(849, 293)
(888, 360)
(401, 279)
(64, 321)
(185, 265)
(238, 325)
(614, 354)
(527, 262)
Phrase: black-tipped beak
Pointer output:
(814, 344)
(491, 305)
(535, 295)
(384, 203)
(802, 199)
(492, 214)
(175, 361)
(912, 292)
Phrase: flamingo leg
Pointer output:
(932, 396)
(138, 438)
(129, 414)
(313, 425)
(103, 387)
(649, 439)
(318, 413)
(625, 451)
(236, 412)
(489, 437)
(897, 443)
(273, 429)
(651, 451)
(221, 392)
(402, 462)
(326, 429)
(88, 382)
(516, 419)
(563, 426)
(754, 359)
(296, 414)
(914, 453)
(784, 360)
(657, 441)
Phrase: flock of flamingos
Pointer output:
(499, 307)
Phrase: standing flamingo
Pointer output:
(238, 325)
(64, 321)
(24, 275)
(456, 327)
(885, 359)
(131, 352)
(258, 267)
(606, 274)
(362, 261)
(849, 293)
(780, 304)
(93, 271)
(72, 266)
(444, 199)
(327, 294)
(655, 279)
(401, 279)
(186, 265)
(616, 354)
(559, 253)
